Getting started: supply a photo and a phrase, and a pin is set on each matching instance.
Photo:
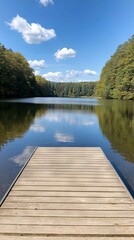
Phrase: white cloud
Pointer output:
(72, 74)
(23, 157)
(45, 3)
(65, 53)
(53, 76)
(38, 128)
(69, 75)
(60, 137)
(31, 33)
(89, 72)
(37, 64)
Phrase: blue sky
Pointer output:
(66, 40)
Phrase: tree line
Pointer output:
(65, 89)
(17, 78)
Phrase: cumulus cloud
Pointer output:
(37, 64)
(72, 74)
(45, 3)
(69, 75)
(65, 53)
(32, 33)
(53, 76)
(89, 72)
(60, 137)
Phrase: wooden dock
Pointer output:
(67, 194)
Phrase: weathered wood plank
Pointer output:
(89, 176)
(67, 221)
(60, 174)
(39, 199)
(69, 160)
(66, 213)
(69, 189)
(31, 237)
(68, 194)
(70, 179)
(79, 172)
(69, 230)
(70, 169)
(67, 183)
(68, 206)
(67, 163)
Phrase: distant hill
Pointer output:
(117, 77)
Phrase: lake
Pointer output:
(63, 122)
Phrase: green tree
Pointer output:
(18, 80)
(117, 77)
(42, 86)
(16, 76)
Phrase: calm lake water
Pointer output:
(27, 123)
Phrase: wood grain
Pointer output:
(66, 194)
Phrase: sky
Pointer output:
(66, 40)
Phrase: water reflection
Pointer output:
(61, 137)
(38, 128)
(16, 119)
(20, 159)
(116, 120)
(65, 122)
(73, 117)
(58, 101)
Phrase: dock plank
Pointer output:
(68, 206)
(20, 237)
(68, 230)
(67, 221)
(68, 194)
(66, 213)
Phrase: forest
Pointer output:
(117, 77)
(65, 89)
(17, 78)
